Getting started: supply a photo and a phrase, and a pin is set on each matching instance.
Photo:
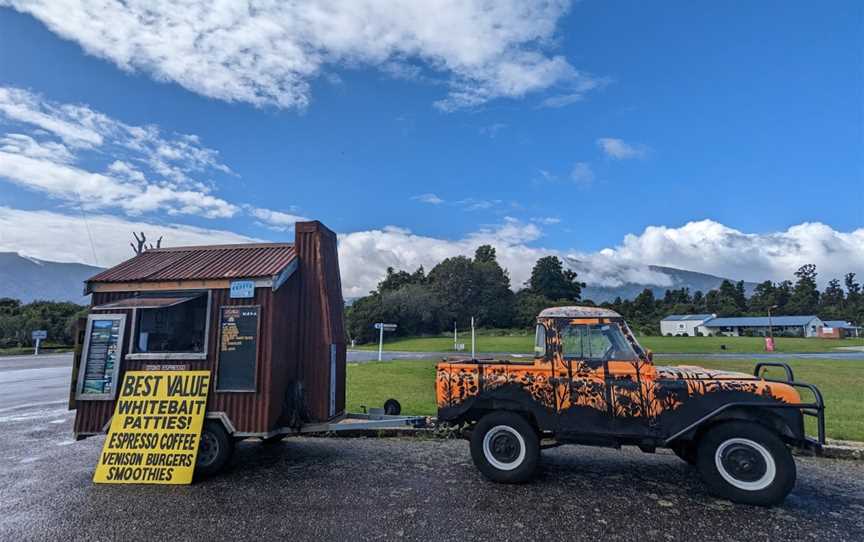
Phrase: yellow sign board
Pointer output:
(155, 429)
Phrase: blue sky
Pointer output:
(745, 116)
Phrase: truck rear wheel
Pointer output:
(214, 449)
(686, 452)
(505, 448)
(746, 463)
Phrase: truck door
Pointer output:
(630, 379)
(588, 409)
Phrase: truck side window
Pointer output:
(596, 342)
(540, 341)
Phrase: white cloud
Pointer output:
(60, 237)
(474, 204)
(267, 53)
(621, 150)
(704, 246)
(580, 86)
(275, 220)
(546, 220)
(429, 198)
(582, 173)
(711, 247)
(148, 171)
(364, 255)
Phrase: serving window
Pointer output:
(167, 325)
(179, 327)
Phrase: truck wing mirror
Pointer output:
(650, 355)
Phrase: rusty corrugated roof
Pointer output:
(252, 260)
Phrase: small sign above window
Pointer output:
(242, 289)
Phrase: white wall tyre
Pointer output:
(505, 447)
(746, 463)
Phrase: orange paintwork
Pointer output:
(636, 388)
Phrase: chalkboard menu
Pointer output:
(238, 348)
(100, 359)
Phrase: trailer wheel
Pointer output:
(214, 449)
(505, 448)
(746, 463)
(392, 407)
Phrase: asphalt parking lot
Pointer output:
(387, 489)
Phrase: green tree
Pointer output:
(397, 279)
(457, 283)
(832, 301)
(854, 307)
(495, 306)
(552, 281)
(805, 294)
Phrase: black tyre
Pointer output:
(746, 463)
(686, 452)
(392, 407)
(505, 448)
(214, 449)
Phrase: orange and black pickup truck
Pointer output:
(590, 382)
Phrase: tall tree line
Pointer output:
(460, 287)
(798, 297)
(17, 321)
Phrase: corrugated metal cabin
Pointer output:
(265, 318)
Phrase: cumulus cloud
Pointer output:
(621, 150)
(148, 171)
(269, 52)
(711, 247)
(704, 246)
(275, 220)
(365, 255)
(61, 237)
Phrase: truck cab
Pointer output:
(590, 382)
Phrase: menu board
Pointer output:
(103, 345)
(238, 348)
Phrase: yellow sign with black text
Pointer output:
(155, 430)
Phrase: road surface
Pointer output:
(381, 489)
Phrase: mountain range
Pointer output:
(29, 279)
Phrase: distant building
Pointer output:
(789, 326)
(839, 329)
(684, 324)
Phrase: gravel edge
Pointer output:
(833, 449)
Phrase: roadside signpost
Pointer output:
(382, 327)
(38, 335)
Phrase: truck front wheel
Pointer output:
(746, 463)
(505, 448)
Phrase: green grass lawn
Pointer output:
(29, 350)
(413, 384)
(524, 344)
